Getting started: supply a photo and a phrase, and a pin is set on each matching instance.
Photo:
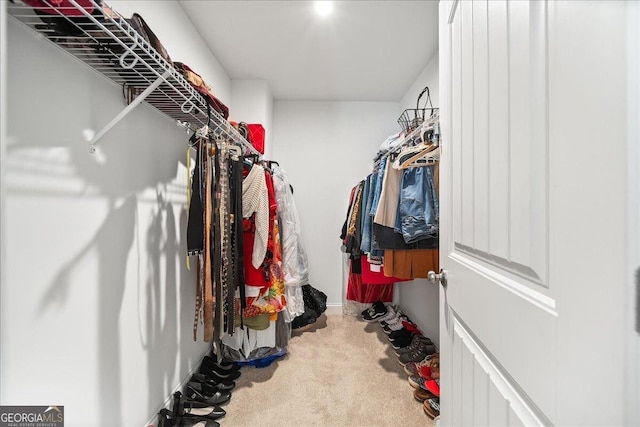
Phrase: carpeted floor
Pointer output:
(341, 372)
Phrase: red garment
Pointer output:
(256, 136)
(273, 203)
(259, 276)
(376, 277)
(252, 276)
(52, 7)
(365, 293)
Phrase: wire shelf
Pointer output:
(106, 42)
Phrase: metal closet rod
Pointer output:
(167, 89)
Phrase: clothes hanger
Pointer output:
(429, 156)
(236, 151)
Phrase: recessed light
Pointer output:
(323, 8)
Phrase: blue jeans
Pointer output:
(366, 245)
(367, 200)
(418, 208)
(378, 186)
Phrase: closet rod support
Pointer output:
(127, 110)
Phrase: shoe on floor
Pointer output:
(424, 384)
(378, 305)
(392, 313)
(394, 324)
(417, 355)
(421, 394)
(416, 341)
(404, 333)
(432, 407)
(415, 368)
(427, 374)
(399, 318)
(403, 339)
(374, 313)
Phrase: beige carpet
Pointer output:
(341, 372)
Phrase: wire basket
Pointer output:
(411, 118)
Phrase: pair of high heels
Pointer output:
(206, 393)
(219, 372)
(187, 413)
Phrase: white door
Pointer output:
(533, 211)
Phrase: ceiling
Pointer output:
(363, 51)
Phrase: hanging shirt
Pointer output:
(256, 200)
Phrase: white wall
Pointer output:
(252, 102)
(97, 305)
(427, 77)
(418, 298)
(326, 149)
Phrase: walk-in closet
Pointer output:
(319, 213)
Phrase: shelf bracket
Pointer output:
(127, 110)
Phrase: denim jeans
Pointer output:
(366, 245)
(367, 200)
(418, 209)
(378, 185)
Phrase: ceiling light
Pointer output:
(323, 8)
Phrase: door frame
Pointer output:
(3, 144)
(632, 391)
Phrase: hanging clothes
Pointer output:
(255, 199)
(294, 257)
(391, 231)
(245, 232)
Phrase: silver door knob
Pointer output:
(435, 278)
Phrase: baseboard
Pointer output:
(334, 309)
(179, 387)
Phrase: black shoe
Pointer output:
(218, 377)
(400, 334)
(225, 363)
(202, 393)
(376, 311)
(198, 422)
(222, 367)
(378, 305)
(166, 418)
(221, 385)
(192, 409)
(403, 340)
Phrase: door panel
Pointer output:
(510, 281)
(518, 153)
(466, 125)
(530, 227)
(480, 407)
(498, 98)
(488, 397)
(480, 122)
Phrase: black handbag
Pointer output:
(314, 299)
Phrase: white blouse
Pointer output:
(256, 199)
